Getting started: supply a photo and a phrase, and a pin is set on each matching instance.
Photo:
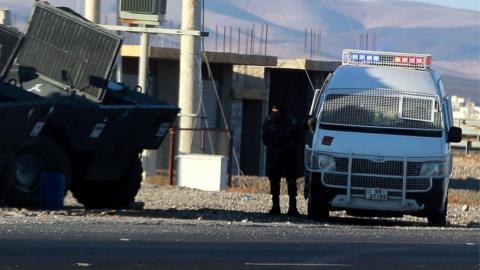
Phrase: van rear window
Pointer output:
(381, 108)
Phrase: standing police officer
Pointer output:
(281, 137)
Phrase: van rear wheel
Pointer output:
(113, 194)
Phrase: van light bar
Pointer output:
(391, 59)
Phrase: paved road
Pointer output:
(175, 244)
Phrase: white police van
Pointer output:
(381, 125)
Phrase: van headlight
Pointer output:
(322, 162)
(433, 169)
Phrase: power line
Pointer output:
(224, 118)
(210, 76)
(351, 28)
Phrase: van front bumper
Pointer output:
(417, 203)
(376, 183)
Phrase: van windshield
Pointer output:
(381, 111)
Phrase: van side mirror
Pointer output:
(310, 123)
(454, 134)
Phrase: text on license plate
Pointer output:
(376, 194)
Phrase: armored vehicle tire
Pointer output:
(21, 184)
(438, 219)
(113, 194)
(316, 209)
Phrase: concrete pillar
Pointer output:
(92, 10)
(143, 63)
(190, 71)
(5, 17)
(149, 157)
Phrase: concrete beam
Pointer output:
(213, 57)
(312, 65)
(241, 59)
(152, 30)
(251, 94)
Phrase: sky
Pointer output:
(462, 4)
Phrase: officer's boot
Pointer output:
(275, 191)
(292, 206)
(275, 205)
(292, 196)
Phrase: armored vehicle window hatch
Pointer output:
(10, 42)
(71, 51)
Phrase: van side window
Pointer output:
(446, 106)
(448, 112)
(314, 109)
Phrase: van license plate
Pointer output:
(376, 194)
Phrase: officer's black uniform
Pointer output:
(281, 136)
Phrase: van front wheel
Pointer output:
(438, 219)
(316, 209)
(317, 212)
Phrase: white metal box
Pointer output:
(144, 11)
(204, 172)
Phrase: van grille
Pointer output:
(341, 180)
(389, 167)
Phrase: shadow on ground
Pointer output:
(221, 215)
(265, 218)
(469, 184)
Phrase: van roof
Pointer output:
(355, 77)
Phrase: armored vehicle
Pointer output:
(95, 129)
(382, 126)
(22, 116)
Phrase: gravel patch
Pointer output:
(247, 203)
(160, 204)
(466, 167)
(178, 204)
(465, 172)
(233, 206)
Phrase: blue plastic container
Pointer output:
(52, 190)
